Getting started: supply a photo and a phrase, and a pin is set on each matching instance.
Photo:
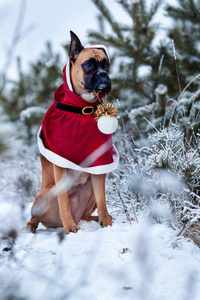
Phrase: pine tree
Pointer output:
(182, 56)
(133, 44)
(136, 62)
(149, 78)
(186, 35)
(31, 94)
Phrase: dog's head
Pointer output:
(89, 70)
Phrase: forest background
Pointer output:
(155, 84)
(155, 71)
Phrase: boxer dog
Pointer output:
(89, 75)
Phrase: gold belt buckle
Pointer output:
(87, 113)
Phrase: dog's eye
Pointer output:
(106, 65)
(88, 66)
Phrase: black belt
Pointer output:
(87, 110)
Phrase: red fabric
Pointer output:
(71, 135)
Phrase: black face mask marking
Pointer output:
(96, 75)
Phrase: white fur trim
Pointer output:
(65, 163)
(68, 77)
(98, 46)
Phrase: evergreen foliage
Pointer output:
(145, 66)
(134, 45)
(186, 35)
(33, 90)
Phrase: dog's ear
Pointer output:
(75, 46)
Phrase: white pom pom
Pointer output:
(107, 124)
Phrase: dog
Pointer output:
(72, 149)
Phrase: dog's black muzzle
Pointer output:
(98, 81)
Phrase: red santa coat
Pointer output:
(73, 140)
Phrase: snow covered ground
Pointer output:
(145, 260)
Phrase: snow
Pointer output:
(144, 260)
(144, 71)
(161, 89)
(31, 111)
(139, 261)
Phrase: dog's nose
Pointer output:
(102, 73)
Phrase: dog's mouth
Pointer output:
(98, 82)
(104, 86)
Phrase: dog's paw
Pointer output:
(71, 228)
(105, 221)
(30, 228)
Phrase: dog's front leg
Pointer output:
(64, 204)
(98, 183)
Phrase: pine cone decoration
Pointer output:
(106, 110)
